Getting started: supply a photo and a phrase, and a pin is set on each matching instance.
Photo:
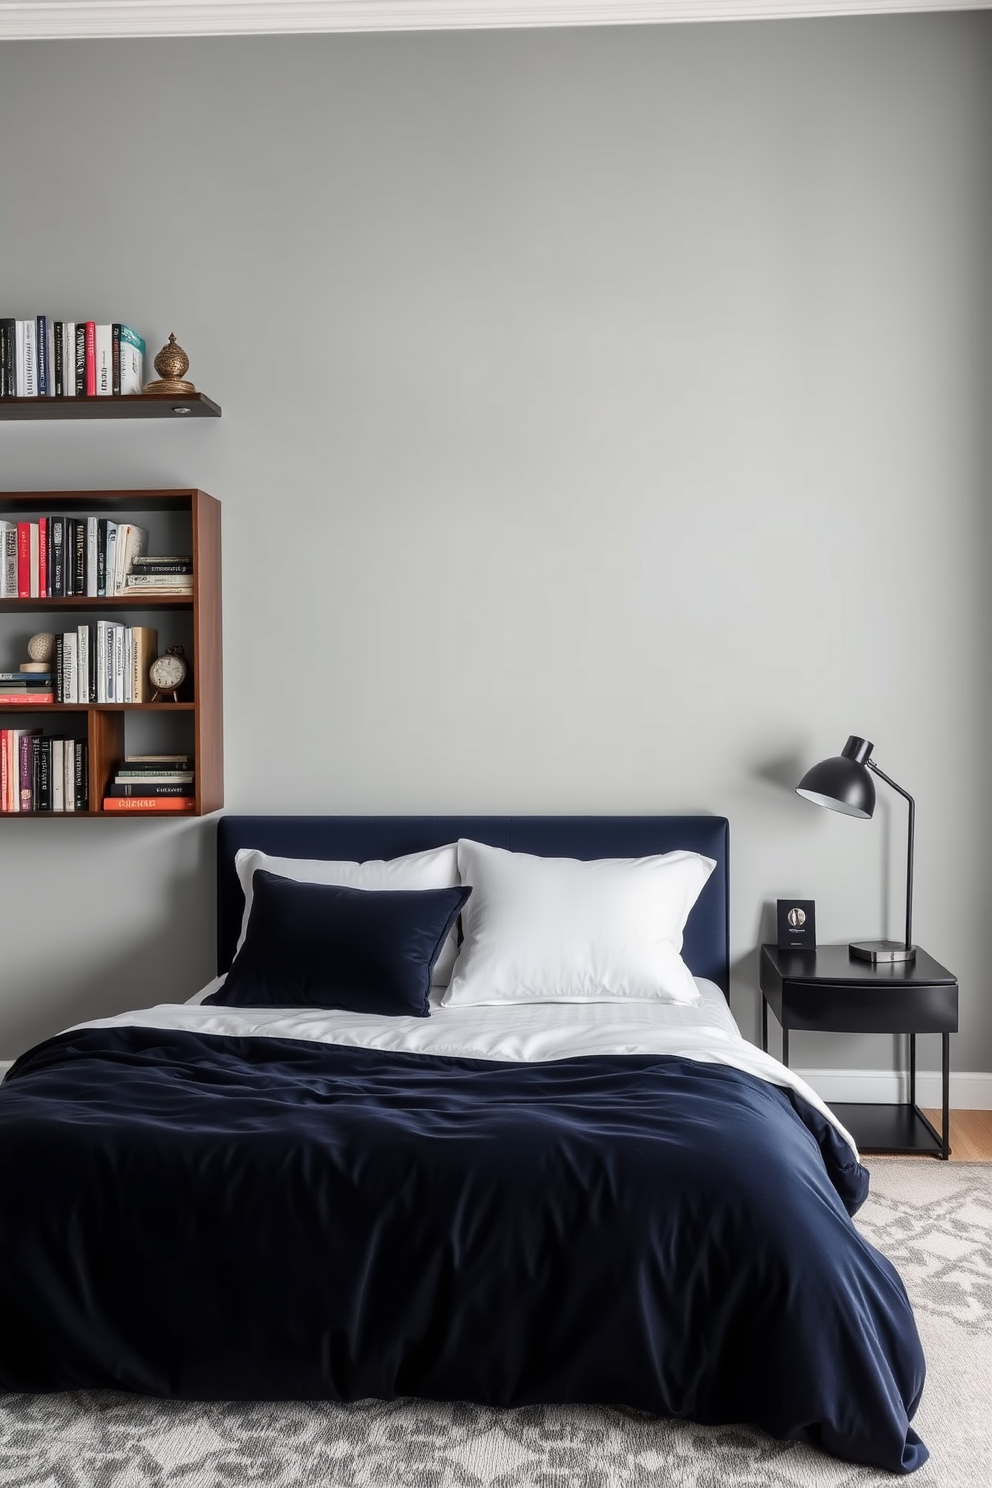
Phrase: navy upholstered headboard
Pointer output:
(355, 838)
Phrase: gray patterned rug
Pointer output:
(934, 1220)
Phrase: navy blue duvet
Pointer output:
(207, 1217)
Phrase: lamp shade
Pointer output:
(842, 783)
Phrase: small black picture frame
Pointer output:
(796, 925)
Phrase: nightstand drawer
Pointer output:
(835, 1008)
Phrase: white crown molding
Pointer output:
(39, 19)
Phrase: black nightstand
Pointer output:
(829, 992)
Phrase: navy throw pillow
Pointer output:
(323, 945)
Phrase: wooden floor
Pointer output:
(971, 1135)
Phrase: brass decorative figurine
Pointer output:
(171, 364)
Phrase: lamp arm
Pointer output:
(909, 857)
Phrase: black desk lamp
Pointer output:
(844, 784)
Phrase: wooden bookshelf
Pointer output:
(137, 405)
(199, 614)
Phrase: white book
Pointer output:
(69, 775)
(58, 774)
(119, 664)
(111, 560)
(30, 383)
(104, 352)
(69, 357)
(19, 357)
(102, 626)
(70, 674)
(132, 353)
(83, 662)
(91, 574)
(8, 571)
(128, 664)
(132, 542)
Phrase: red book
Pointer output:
(42, 557)
(4, 770)
(89, 380)
(28, 698)
(24, 560)
(148, 803)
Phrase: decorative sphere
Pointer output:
(41, 647)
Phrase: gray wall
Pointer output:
(605, 429)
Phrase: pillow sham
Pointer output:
(330, 946)
(566, 930)
(437, 868)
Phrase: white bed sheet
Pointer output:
(518, 1032)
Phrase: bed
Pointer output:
(616, 1202)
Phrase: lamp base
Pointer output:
(880, 951)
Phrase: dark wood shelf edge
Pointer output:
(138, 405)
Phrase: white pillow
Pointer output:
(437, 868)
(563, 930)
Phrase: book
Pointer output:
(132, 541)
(79, 555)
(185, 760)
(144, 649)
(41, 343)
(43, 801)
(81, 767)
(92, 574)
(145, 580)
(132, 362)
(29, 384)
(146, 788)
(8, 559)
(37, 679)
(115, 352)
(80, 358)
(58, 368)
(103, 527)
(69, 357)
(149, 803)
(8, 357)
(146, 558)
(70, 674)
(24, 560)
(43, 557)
(58, 775)
(33, 698)
(89, 363)
(33, 559)
(25, 767)
(103, 357)
(83, 694)
(165, 777)
(57, 529)
(145, 567)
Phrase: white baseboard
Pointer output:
(970, 1091)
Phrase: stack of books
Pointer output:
(160, 574)
(61, 557)
(46, 358)
(42, 774)
(152, 782)
(26, 687)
